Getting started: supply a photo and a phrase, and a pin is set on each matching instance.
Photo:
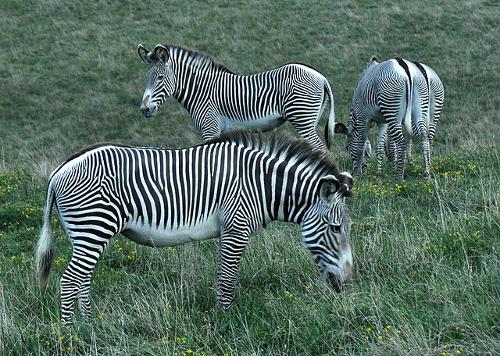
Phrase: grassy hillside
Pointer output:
(426, 259)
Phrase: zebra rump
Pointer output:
(405, 100)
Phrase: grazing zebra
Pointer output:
(219, 100)
(230, 186)
(405, 99)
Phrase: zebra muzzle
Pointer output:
(147, 109)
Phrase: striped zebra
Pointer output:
(405, 99)
(219, 100)
(229, 187)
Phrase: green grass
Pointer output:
(426, 259)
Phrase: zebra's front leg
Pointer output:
(232, 245)
(209, 126)
(75, 281)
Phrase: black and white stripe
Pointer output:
(405, 100)
(219, 100)
(230, 187)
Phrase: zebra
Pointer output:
(405, 99)
(228, 187)
(219, 100)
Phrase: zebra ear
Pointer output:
(340, 128)
(346, 184)
(327, 187)
(144, 53)
(161, 53)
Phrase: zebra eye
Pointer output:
(160, 77)
(335, 228)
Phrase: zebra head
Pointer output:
(326, 228)
(161, 80)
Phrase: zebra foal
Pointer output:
(219, 100)
(229, 187)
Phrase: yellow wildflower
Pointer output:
(180, 340)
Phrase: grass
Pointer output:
(426, 260)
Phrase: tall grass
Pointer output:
(426, 263)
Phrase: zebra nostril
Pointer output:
(145, 110)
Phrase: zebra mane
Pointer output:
(199, 58)
(288, 148)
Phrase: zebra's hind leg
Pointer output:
(306, 128)
(382, 144)
(409, 149)
(398, 146)
(232, 245)
(75, 281)
(390, 152)
(426, 149)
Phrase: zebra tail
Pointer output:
(45, 250)
(330, 124)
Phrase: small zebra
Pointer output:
(229, 187)
(219, 100)
(405, 99)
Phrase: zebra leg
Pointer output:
(409, 149)
(425, 147)
(75, 281)
(432, 132)
(381, 144)
(232, 245)
(83, 298)
(304, 114)
(390, 151)
(208, 124)
(398, 146)
(306, 128)
(208, 133)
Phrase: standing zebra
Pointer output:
(230, 186)
(405, 99)
(219, 100)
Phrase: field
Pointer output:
(426, 252)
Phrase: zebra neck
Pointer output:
(193, 82)
(291, 193)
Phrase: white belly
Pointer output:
(159, 237)
(265, 123)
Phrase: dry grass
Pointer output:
(426, 254)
